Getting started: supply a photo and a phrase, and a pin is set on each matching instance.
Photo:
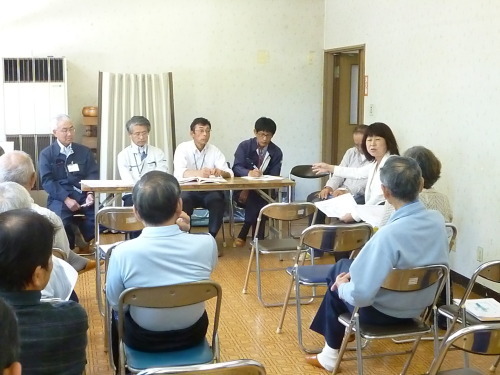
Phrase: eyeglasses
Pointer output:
(264, 135)
(140, 134)
(67, 130)
(203, 131)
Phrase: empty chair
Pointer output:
(301, 171)
(404, 281)
(237, 367)
(167, 297)
(327, 238)
(483, 339)
(279, 242)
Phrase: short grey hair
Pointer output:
(16, 166)
(55, 121)
(402, 176)
(137, 120)
(13, 196)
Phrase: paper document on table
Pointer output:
(372, 214)
(485, 309)
(201, 180)
(265, 177)
(107, 183)
(338, 206)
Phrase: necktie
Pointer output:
(143, 155)
(261, 156)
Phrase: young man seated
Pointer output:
(53, 334)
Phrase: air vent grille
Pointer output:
(47, 69)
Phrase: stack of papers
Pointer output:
(484, 309)
(201, 180)
(265, 177)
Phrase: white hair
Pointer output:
(55, 121)
(16, 166)
(12, 196)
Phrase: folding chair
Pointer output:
(482, 339)
(283, 214)
(404, 281)
(457, 313)
(169, 296)
(237, 367)
(58, 253)
(327, 238)
(115, 218)
(302, 171)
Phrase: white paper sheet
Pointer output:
(371, 214)
(338, 206)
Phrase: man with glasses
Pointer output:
(62, 166)
(256, 157)
(198, 158)
(139, 158)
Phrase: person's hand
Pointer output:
(205, 172)
(184, 222)
(347, 218)
(322, 168)
(338, 192)
(254, 172)
(71, 204)
(342, 278)
(325, 192)
(90, 200)
(216, 172)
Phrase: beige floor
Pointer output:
(247, 329)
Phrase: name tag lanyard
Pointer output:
(196, 161)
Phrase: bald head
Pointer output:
(17, 166)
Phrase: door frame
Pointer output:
(331, 94)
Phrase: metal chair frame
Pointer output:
(239, 366)
(169, 296)
(482, 339)
(400, 280)
(327, 238)
(302, 171)
(58, 253)
(276, 244)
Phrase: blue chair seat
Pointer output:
(201, 353)
(314, 274)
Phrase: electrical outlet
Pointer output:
(479, 254)
(372, 110)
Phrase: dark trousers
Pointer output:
(85, 223)
(213, 201)
(326, 320)
(253, 205)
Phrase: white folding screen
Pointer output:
(122, 96)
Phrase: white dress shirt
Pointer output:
(352, 159)
(187, 156)
(132, 168)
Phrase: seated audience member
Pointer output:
(53, 334)
(14, 196)
(198, 158)
(378, 144)
(335, 186)
(256, 157)
(62, 166)
(9, 341)
(413, 237)
(139, 158)
(162, 255)
(17, 166)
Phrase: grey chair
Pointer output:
(482, 339)
(280, 241)
(301, 171)
(326, 238)
(403, 281)
(163, 297)
(58, 253)
(237, 367)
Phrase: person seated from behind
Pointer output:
(14, 196)
(163, 254)
(413, 237)
(198, 158)
(53, 334)
(62, 166)
(9, 341)
(336, 185)
(256, 157)
(17, 166)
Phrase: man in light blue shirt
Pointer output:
(414, 236)
(162, 255)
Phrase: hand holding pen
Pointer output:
(255, 172)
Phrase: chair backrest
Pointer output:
(172, 296)
(336, 237)
(488, 270)
(119, 218)
(58, 253)
(301, 171)
(417, 278)
(483, 339)
(237, 367)
(452, 235)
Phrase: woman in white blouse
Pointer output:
(378, 144)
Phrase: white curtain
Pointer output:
(122, 96)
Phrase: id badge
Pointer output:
(73, 167)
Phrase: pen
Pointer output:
(478, 305)
(252, 163)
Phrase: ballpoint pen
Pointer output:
(481, 307)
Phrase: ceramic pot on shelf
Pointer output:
(89, 111)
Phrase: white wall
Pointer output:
(432, 68)
(232, 60)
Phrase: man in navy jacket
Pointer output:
(256, 157)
